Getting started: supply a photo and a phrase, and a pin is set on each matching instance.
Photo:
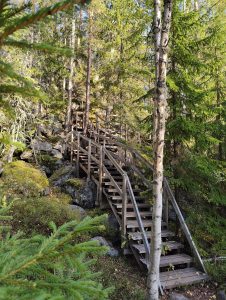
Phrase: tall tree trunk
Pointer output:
(161, 102)
(70, 79)
(157, 40)
(88, 74)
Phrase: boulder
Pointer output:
(112, 228)
(61, 175)
(27, 156)
(38, 145)
(56, 154)
(176, 296)
(221, 295)
(1, 167)
(87, 195)
(77, 209)
(112, 252)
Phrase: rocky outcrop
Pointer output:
(112, 252)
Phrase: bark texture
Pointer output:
(161, 103)
(88, 75)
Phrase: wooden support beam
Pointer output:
(100, 188)
(78, 154)
(124, 208)
(89, 158)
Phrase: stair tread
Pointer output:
(171, 245)
(181, 277)
(134, 223)
(175, 259)
(130, 205)
(132, 214)
(137, 235)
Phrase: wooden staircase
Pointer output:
(123, 178)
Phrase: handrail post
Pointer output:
(100, 189)
(76, 121)
(72, 142)
(124, 207)
(78, 154)
(166, 205)
(89, 158)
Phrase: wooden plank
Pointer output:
(130, 205)
(170, 245)
(172, 260)
(182, 277)
(132, 214)
(137, 235)
(146, 223)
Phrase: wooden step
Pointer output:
(130, 205)
(172, 260)
(134, 223)
(172, 279)
(112, 190)
(136, 236)
(169, 246)
(131, 214)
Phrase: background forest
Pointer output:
(103, 54)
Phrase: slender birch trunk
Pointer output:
(161, 102)
(88, 75)
(157, 39)
(70, 79)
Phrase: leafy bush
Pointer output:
(22, 179)
(34, 214)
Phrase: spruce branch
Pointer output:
(29, 19)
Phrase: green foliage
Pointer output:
(202, 177)
(217, 271)
(76, 182)
(33, 215)
(22, 179)
(51, 268)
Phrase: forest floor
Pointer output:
(130, 283)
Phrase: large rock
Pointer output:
(56, 154)
(113, 252)
(176, 296)
(27, 156)
(221, 295)
(1, 167)
(38, 145)
(77, 209)
(112, 228)
(62, 175)
(22, 179)
(49, 164)
(82, 192)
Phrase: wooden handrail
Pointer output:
(184, 225)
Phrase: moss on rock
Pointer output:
(61, 175)
(76, 182)
(23, 179)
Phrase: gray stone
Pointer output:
(27, 155)
(175, 296)
(112, 252)
(112, 228)
(58, 147)
(221, 295)
(41, 146)
(56, 154)
(61, 175)
(1, 167)
(81, 211)
(86, 196)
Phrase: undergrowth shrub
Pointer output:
(33, 215)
